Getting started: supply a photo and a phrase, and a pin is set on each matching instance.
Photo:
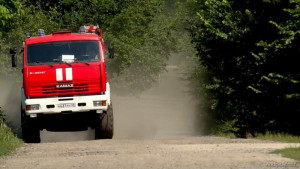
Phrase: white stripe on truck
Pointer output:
(69, 74)
(59, 74)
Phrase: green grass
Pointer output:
(8, 141)
(291, 152)
(280, 137)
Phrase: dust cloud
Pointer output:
(168, 110)
(10, 100)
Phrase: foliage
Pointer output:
(142, 49)
(225, 128)
(281, 137)
(249, 51)
(8, 10)
(8, 141)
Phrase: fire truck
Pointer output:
(65, 86)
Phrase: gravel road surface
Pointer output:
(191, 152)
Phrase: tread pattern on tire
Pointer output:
(104, 124)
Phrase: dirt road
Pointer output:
(192, 152)
(162, 128)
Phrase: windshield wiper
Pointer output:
(60, 62)
(67, 63)
(79, 61)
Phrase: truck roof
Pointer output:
(61, 36)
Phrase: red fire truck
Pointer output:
(65, 86)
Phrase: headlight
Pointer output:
(99, 103)
(33, 107)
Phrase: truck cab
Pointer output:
(64, 84)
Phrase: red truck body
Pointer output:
(65, 84)
(41, 81)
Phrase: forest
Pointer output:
(246, 51)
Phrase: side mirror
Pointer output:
(111, 52)
(13, 52)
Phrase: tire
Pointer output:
(30, 129)
(104, 128)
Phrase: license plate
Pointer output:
(66, 105)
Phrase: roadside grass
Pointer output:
(8, 141)
(281, 137)
(291, 152)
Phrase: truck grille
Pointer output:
(77, 88)
(80, 87)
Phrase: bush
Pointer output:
(8, 141)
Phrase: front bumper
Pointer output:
(73, 104)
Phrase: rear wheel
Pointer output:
(30, 129)
(104, 128)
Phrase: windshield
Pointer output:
(60, 52)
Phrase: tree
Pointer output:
(8, 10)
(142, 36)
(246, 48)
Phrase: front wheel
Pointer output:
(105, 124)
(30, 129)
